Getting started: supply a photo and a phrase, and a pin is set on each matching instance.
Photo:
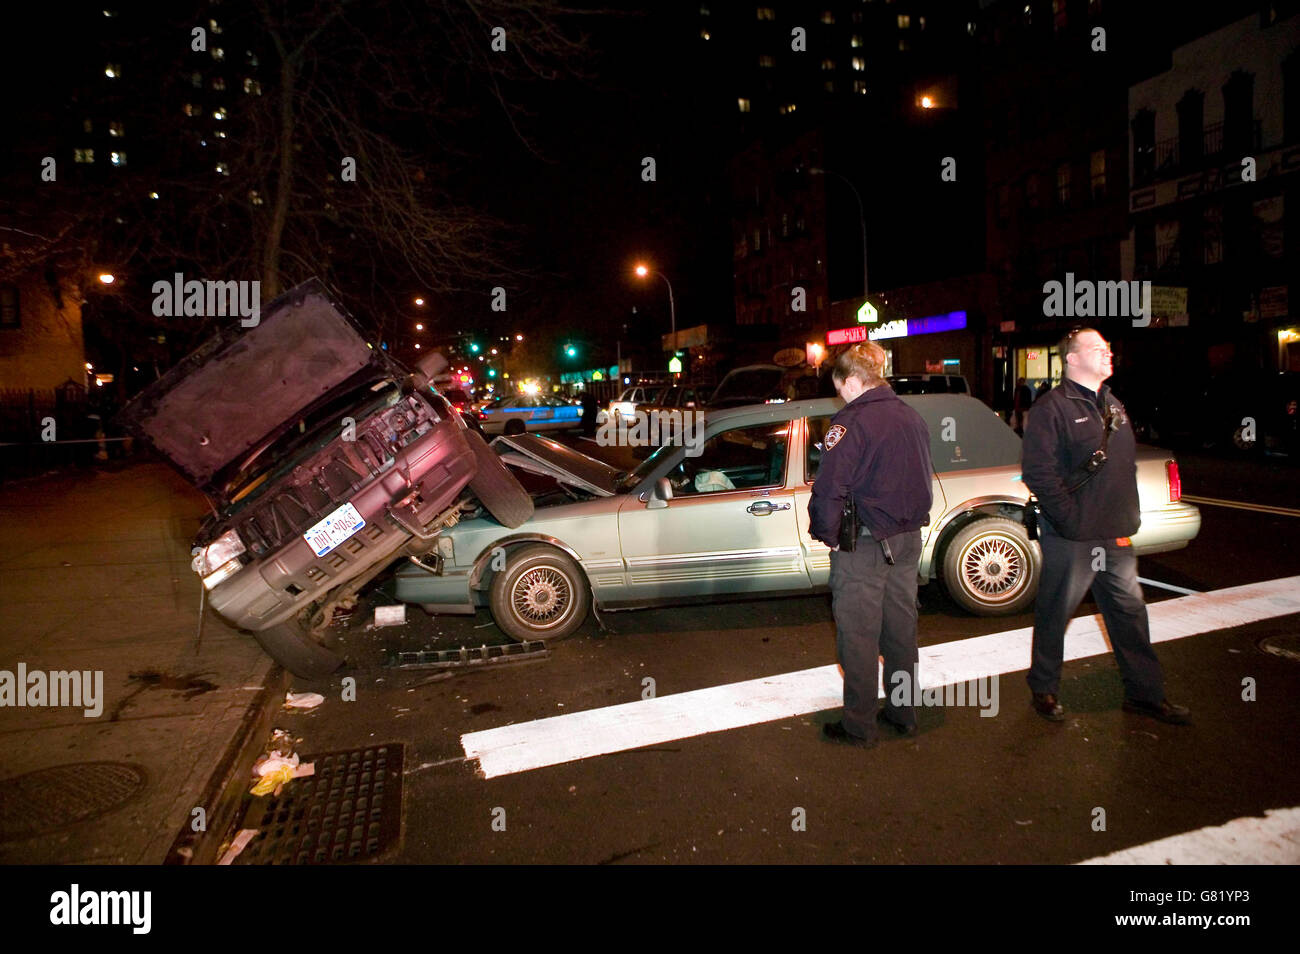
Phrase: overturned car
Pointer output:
(324, 460)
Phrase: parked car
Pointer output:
(733, 521)
(928, 384)
(517, 413)
(751, 384)
(323, 458)
(629, 400)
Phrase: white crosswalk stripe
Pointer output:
(579, 735)
(1271, 840)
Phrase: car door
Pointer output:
(815, 553)
(730, 526)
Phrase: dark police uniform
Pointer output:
(1064, 428)
(878, 449)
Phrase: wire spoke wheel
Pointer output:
(542, 595)
(993, 566)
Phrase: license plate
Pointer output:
(334, 529)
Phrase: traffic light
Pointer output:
(474, 347)
(571, 351)
(492, 372)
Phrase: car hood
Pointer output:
(540, 455)
(245, 387)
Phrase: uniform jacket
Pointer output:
(1064, 428)
(878, 449)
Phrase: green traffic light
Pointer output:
(474, 348)
(492, 372)
(571, 351)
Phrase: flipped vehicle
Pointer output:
(732, 521)
(517, 413)
(323, 458)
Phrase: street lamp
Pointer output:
(642, 272)
(862, 218)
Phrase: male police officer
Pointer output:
(1091, 510)
(877, 449)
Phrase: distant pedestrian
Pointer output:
(876, 451)
(1023, 399)
(1043, 388)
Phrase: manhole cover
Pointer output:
(53, 798)
(350, 810)
(1288, 646)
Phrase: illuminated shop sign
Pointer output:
(846, 335)
(908, 327)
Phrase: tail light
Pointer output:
(1173, 481)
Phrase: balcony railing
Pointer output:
(1174, 157)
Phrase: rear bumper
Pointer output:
(1168, 528)
(269, 591)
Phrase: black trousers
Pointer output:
(1067, 575)
(875, 615)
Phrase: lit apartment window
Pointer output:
(743, 104)
(219, 113)
(252, 57)
(828, 16)
(255, 197)
(704, 34)
(757, 243)
(212, 25)
(196, 80)
(87, 126)
(855, 41)
(859, 63)
(218, 83)
(970, 27)
(904, 21)
(787, 108)
(920, 23)
(860, 87)
(218, 54)
(113, 70)
(1029, 14)
(766, 13)
(117, 158)
(903, 45)
(1094, 7)
(220, 134)
(704, 11)
(223, 169)
(110, 13)
(828, 64)
(829, 86)
(83, 155)
(1059, 18)
(766, 60)
(116, 130)
(153, 195)
(193, 109)
(252, 87)
(1063, 184)
(1097, 174)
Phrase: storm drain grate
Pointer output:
(44, 801)
(350, 810)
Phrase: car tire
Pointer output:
(991, 568)
(293, 647)
(496, 488)
(1239, 443)
(541, 594)
(515, 426)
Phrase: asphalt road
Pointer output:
(1010, 789)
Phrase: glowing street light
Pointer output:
(419, 301)
(107, 277)
(642, 271)
(927, 102)
(419, 327)
(519, 337)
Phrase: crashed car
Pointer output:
(324, 460)
(726, 515)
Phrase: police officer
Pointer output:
(1090, 512)
(877, 449)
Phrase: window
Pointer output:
(860, 87)
(218, 54)
(218, 83)
(828, 17)
(87, 126)
(196, 80)
(117, 158)
(766, 13)
(1097, 174)
(116, 130)
(743, 458)
(743, 104)
(920, 23)
(904, 21)
(903, 45)
(1059, 17)
(9, 312)
(83, 155)
(223, 169)
(829, 86)
(193, 109)
(704, 34)
(786, 109)
(252, 87)
(212, 26)
(1029, 14)
(113, 70)
(1063, 185)
(219, 113)
(859, 64)
(828, 64)
(766, 60)
(855, 41)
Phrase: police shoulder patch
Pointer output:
(833, 435)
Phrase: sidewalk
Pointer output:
(94, 575)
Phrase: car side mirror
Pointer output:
(663, 493)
